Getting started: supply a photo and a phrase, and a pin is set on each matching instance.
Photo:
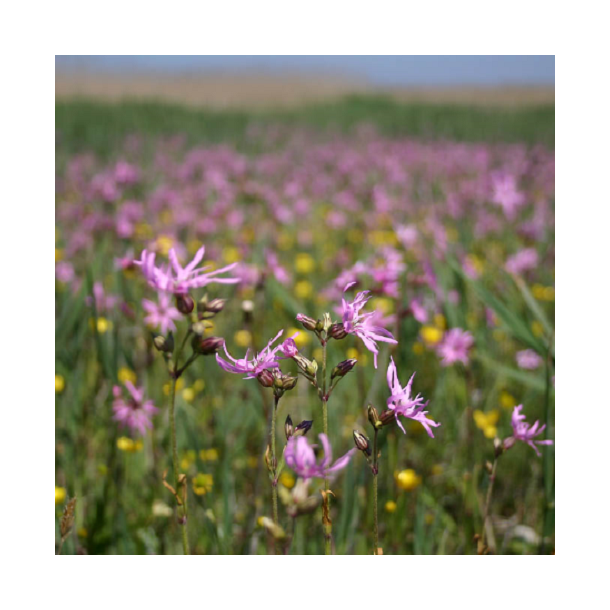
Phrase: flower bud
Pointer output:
(303, 428)
(319, 326)
(288, 383)
(373, 416)
(336, 331)
(266, 378)
(206, 346)
(387, 417)
(498, 447)
(343, 368)
(508, 443)
(164, 344)
(208, 309)
(184, 303)
(326, 322)
(307, 322)
(285, 382)
(361, 442)
(288, 428)
(309, 367)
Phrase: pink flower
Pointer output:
(401, 403)
(523, 432)
(524, 260)
(178, 279)
(102, 301)
(528, 359)
(506, 195)
(289, 348)
(265, 359)
(362, 325)
(161, 315)
(133, 411)
(301, 458)
(455, 346)
(419, 311)
(64, 272)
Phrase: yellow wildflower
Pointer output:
(164, 244)
(230, 254)
(302, 339)
(243, 338)
(60, 384)
(303, 289)
(129, 445)
(188, 394)
(304, 263)
(126, 374)
(407, 479)
(202, 483)
(391, 506)
(383, 304)
(507, 401)
(60, 495)
(199, 385)
(287, 480)
(487, 422)
(431, 334)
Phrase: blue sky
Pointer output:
(377, 70)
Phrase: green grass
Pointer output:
(84, 125)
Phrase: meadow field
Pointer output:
(382, 238)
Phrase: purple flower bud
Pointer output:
(184, 303)
(343, 368)
(207, 346)
(387, 417)
(336, 331)
(266, 378)
(304, 427)
(208, 309)
(307, 322)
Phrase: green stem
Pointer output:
(172, 419)
(274, 461)
(492, 478)
(328, 525)
(375, 473)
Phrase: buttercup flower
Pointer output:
(526, 433)
(178, 279)
(133, 411)
(362, 325)
(401, 402)
(301, 458)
